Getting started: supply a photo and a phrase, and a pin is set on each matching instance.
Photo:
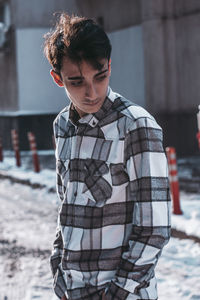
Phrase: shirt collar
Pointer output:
(93, 118)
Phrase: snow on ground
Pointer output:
(27, 230)
(189, 221)
(26, 172)
(178, 271)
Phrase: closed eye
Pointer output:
(76, 83)
(100, 78)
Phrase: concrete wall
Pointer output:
(40, 125)
(8, 76)
(172, 56)
(127, 77)
(112, 14)
(39, 13)
(37, 93)
(172, 69)
(170, 38)
(8, 86)
(188, 61)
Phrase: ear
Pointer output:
(109, 66)
(56, 78)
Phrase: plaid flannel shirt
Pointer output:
(114, 218)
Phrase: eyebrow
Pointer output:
(81, 77)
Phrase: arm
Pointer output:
(148, 188)
(55, 259)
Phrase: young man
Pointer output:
(112, 176)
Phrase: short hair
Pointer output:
(77, 38)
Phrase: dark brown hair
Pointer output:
(79, 39)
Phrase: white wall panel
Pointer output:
(37, 91)
(127, 75)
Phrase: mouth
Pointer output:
(91, 103)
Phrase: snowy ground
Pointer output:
(27, 229)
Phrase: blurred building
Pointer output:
(155, 63)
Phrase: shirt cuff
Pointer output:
(115, 292)
(59, 284)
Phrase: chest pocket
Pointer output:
(97, 184)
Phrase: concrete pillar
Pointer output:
(8, 74)
(159, 55)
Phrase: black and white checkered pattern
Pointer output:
(114, 218)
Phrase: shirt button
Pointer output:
(69, 276)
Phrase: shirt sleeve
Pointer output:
(55, 259)
(148, 188)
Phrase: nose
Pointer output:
(90, 92)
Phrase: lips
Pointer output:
(91, 103)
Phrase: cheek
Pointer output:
(102, 86)
(103, 89)
(73, 93)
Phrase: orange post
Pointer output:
(33, 147)
(173, 179)
(1, 151)
(198, 138)
(15, 143)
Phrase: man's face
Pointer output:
(85, 86)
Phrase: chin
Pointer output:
(94, 110)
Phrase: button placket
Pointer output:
(93, 122)
(68, 279)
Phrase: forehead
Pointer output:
(70, 68)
